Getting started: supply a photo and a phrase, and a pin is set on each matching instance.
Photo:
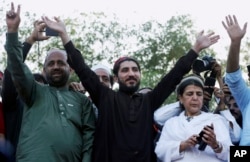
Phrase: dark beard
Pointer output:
(239, 121)
(57, 83)
(126, 89)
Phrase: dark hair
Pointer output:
(192, 79)
(122, 59)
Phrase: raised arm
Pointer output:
(236, 34)
(76, 61)
(9, 93)
(21, 75)
(167, 85)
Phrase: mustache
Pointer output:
(233, 112)
(131, 78)
(56, 71)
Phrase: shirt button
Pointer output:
(62, 113)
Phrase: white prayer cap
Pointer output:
(100, 66)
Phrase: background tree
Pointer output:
(102, 38)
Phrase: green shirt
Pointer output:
(58, 124)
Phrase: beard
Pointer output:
(57, 81)
(130, 90)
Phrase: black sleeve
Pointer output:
(88, 78)
(169, 82)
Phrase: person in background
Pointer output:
(105, 77)
(5, 146)
(223, 98)
(227, 107)
(180, 139)
(104, 74)
(234, 79)
(58, 124)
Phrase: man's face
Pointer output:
(104, 77)
(234, 109)
(129, 76)
(56, 69)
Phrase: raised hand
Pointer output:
(205, 41)
(77, 87)
(59, 27)
(56, 25)
(38, 32)
(13, 18)
(233, 29)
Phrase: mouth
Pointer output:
(131, 81)
(56, 74)
(194, 105)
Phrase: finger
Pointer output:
(235, 20)
(78, 87)
(45, 19)
(230, 20)
(200, 33)
(215, 39)
(210, 34)
(12, 6)
(18, 9)
(42, 26)
(57, 19)
(39, 22)
(209, 128)
(227, 20)
(245, 28)
(35, 23)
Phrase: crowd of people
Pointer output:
(43, 117)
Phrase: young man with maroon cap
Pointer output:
(124, 131)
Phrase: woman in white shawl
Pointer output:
(179, 139)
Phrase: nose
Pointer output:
(100, 78)
(55, 66)
(195, 96)
(232, 106)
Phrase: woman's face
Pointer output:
(192, 99)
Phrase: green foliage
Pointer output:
(157, 46)
(161, 45)
(101, 38)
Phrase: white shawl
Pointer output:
(178, 129)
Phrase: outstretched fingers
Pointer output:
(18, 10)
(214, 39)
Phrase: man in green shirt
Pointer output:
(58, 124)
